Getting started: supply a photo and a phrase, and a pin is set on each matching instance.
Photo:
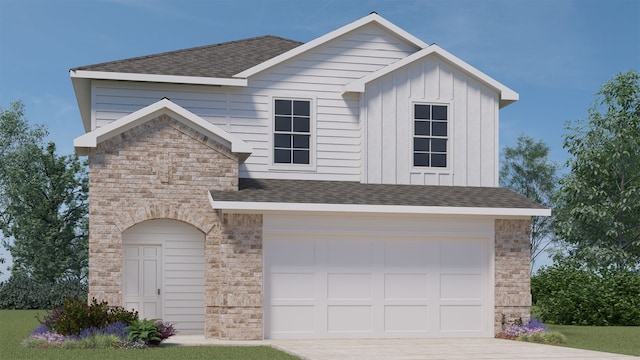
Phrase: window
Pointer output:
(430, 133)
(292, 132)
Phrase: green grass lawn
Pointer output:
(613, 339)
(16, 325)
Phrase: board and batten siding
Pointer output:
(318, 75)
(182, 275)
(388, 126)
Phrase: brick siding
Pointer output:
(512, 271)
(163, 169)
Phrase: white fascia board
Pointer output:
(164, 106)
(82, 89)
(239, 206)
(172, 79)
(507, 95)
(371, 18)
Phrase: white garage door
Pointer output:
(164, 266)
(331, 285)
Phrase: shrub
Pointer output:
(21, 292)
(77, 315)
(567, 294)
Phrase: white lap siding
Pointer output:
(246, 112)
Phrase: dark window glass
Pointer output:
(422, 128)
(300, 156)
(430, 132)
(439, 145)
(300, 124)
(420, 144)
(283, 123)
(301, 108)
(301, 141)
(422, 112)
(439, 112)
(439, 160)
(420, 159)
(283, 107)
(439, 128)
(282, 156)
(282, 141)
(292, 131)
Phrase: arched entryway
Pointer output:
(163, 273)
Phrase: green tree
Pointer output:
(526, 169)
(15, 137)
(43, 211)
(598, 203)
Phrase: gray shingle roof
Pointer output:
(344, 192)
(217, 61)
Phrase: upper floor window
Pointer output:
(292, 131)
(430, 135)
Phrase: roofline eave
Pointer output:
(265, 207)
(171, 79)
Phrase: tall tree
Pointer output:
(526, 169)
(15, 137)
(43, 211)
(598, 205)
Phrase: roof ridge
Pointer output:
(195, 48)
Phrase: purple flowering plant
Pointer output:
(534, 326)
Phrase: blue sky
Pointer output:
(555, 53)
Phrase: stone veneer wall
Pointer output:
(163, 169)
(512, 271)
(234, 279)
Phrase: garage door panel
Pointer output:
(406, 318)
(287, 253)
(461, 318)
(349, 286)
(461, 286)
(406, 287)
(350, 254)
(349, 319)
(292, 319)
(462, 254)
(407, 254)
(285, 286)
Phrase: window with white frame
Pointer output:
(292, 131)
(430, 135)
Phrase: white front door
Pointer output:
(142, 282)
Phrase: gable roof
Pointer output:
(164, 106)
(372, 18)
(313, 195)
(507, 96)
(213, 61)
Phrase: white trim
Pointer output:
(199, 80)
(262, 207)
(164, 106)
(507, 95)
(371, 18)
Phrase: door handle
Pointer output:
(158, 291)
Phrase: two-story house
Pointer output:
(266, 188)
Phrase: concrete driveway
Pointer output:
(433, 349)
(410, 349)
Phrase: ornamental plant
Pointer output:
(76, 315)
(533, 331)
